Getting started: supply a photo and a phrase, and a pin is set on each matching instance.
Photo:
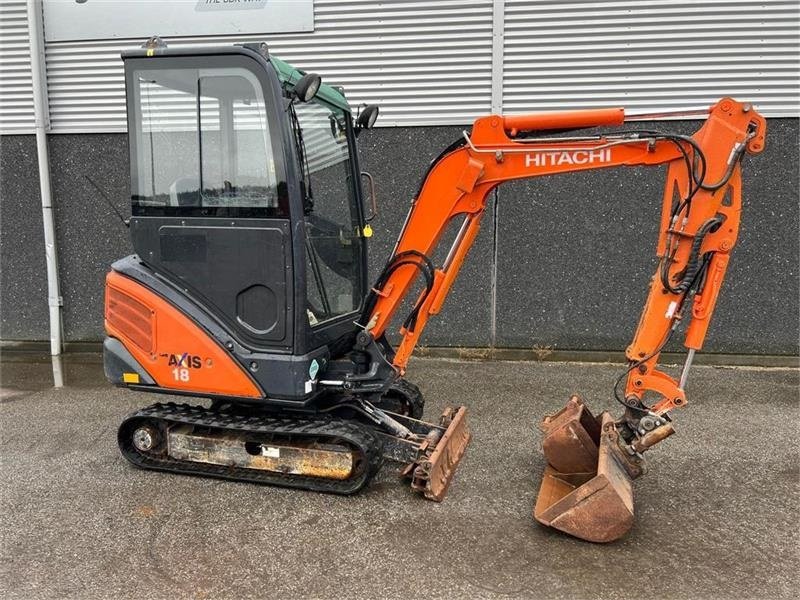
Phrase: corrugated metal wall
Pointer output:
(424, 62)
(651, 55)
(431, 62)
(16, 90)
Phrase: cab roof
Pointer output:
(286, 72)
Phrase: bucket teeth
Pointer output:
(586, 490)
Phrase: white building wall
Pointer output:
(430, 63)
(650, 55)
(16, 89)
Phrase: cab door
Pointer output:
(335, 249)
(210, 203)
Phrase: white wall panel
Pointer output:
(16, 90)
(423, 62)
(430, 63)
(651, 55)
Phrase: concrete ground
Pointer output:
(717, 516)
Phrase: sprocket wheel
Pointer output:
(403, 398)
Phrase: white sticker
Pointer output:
(309, 386)
(671, 309)
(270, 452)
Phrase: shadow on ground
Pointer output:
(716, 516)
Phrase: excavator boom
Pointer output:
(587, 489)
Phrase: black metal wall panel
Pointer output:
(574, 252)
(90, 235)
(23, 280)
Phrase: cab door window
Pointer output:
(333, 248)
(203, 145)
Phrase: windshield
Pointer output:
(333, 253)
(203, 145)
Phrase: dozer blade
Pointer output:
(586, 490)
(432, 471)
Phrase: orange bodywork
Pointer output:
(174, 350)
(458, 185)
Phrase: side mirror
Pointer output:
(373, 201)
(307, 87)
(367, 117)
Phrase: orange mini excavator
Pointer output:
(249, 286)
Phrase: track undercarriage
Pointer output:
(337, 449)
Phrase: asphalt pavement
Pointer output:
(716, 516)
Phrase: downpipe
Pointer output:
(41, 113)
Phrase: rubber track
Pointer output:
(360, 437)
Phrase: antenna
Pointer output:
(125, 221)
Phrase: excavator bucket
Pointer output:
(586, 490)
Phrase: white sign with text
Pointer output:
(68, 20)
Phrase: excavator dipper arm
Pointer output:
(589, 459)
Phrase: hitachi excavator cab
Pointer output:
(249, 229)
(250, 203)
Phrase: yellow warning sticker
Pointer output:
(130, 378)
